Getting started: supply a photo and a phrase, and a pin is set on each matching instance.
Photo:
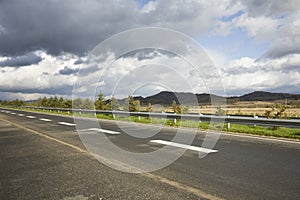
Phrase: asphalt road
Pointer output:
(42, 157)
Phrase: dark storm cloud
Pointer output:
(62, 90)
(67, 71)
(21, 61)
(281, 49)
(78, 62)
(78, 26)
(60, 26)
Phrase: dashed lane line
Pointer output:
(31, 117)
(184, 146)
(45, 119)
(21, 115)
(101, 130)
(66, 123)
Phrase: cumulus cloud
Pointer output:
(248, 74)
(21, 61)
(272, 22)
(65, 33)
(39, 78)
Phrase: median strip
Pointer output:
(184, 146)
(66, 123)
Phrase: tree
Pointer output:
(77, 103)
(87, 104)
(60, 102)
(131, 104)
(277, 111)
(100, 103)
(220, 111)
(137, 105)
(114, 104)
(44, 102)
(50, 102)
(176, 108)
(149, 107)
(67, 103)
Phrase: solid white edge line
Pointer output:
(66, 123)
(184, 146)
(46, 120)
(260, 138)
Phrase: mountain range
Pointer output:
(187, 98)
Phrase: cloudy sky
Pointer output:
(45, 45)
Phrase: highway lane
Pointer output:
(243, 167)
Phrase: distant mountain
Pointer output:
(187, 98)
(167, 98)
(267, 96)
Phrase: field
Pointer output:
(257, 108)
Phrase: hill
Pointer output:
(187, 98)
(268, 96)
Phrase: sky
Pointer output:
(45, 47)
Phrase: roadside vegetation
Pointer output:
(130, 104)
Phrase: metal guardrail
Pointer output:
(292, 123)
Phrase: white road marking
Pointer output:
(13, 113)
(184, 146)
(31, 117)
(21, 115)
(66, 123)
(46, 120)
(104, 131)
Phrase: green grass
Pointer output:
(291, 133)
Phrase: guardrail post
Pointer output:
(228, 124)
(255, 117)
(80, 112)
(175, 120)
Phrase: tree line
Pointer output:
(100, 103)
(15, 102)
(81, 103)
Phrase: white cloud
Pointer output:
(248, 74)
(261, 28)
